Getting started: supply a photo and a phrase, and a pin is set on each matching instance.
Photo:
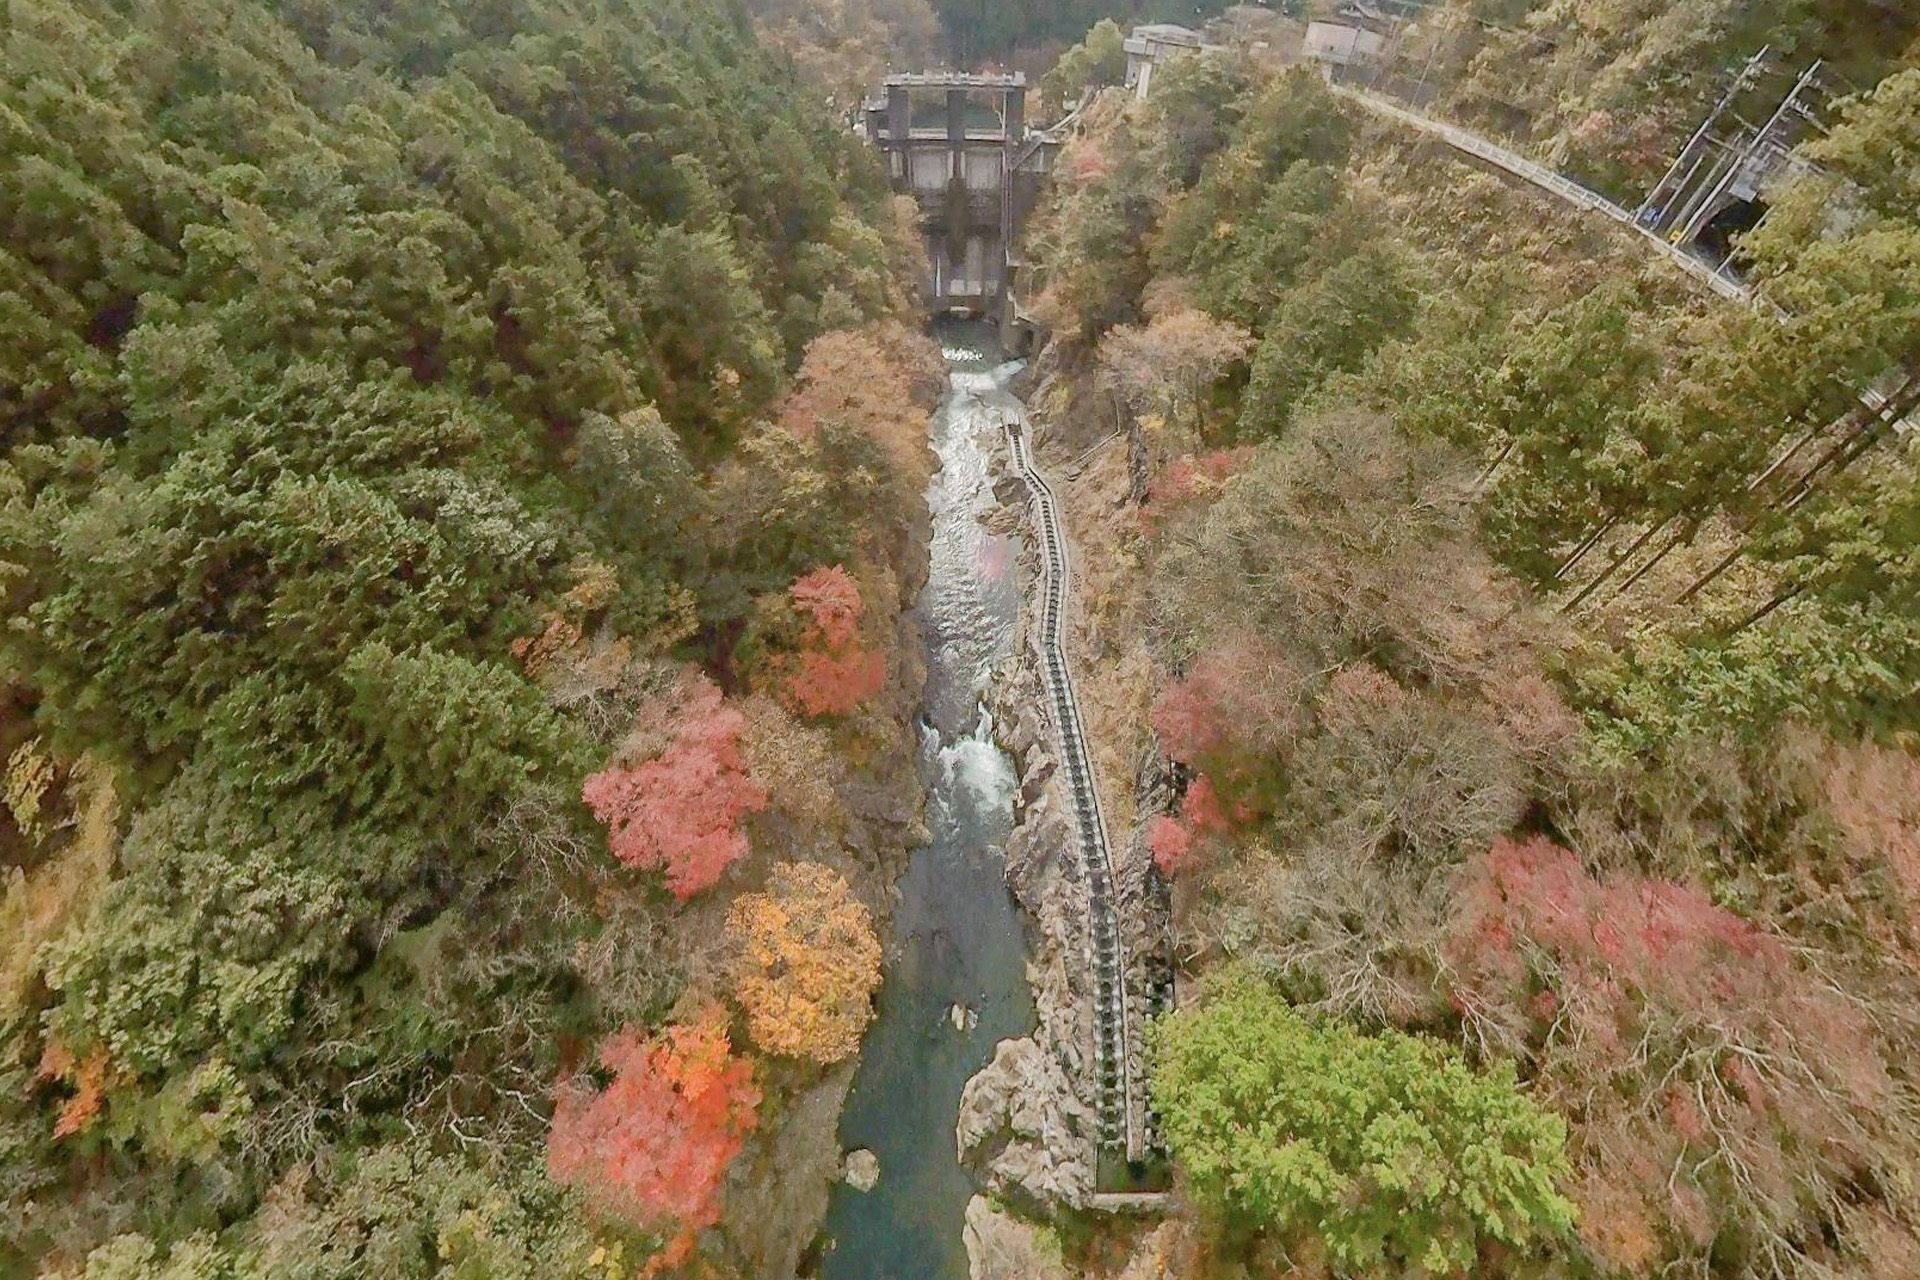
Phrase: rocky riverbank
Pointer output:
(1027, 1124)
(1025, 1127)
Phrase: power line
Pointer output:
(1739, 85)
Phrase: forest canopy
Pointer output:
(391, 401)
(1535, 669)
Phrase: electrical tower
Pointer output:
(1688, 161)
(1713, 173)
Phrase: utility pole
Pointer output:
(1706, 208)
(1389, 48)
(1433, 48)
(1739, 86)
(1403, 12)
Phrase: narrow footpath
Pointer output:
(1122, 1119)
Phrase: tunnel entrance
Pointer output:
(1717, 236)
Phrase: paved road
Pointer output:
(1547, 180)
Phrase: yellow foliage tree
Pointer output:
(804, 963)
(29, 775)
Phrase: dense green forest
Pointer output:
(389, 397)
(993, 30)
(1538, 654)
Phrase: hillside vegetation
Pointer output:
(1538, 659)
(447, 451)
(1612, 88)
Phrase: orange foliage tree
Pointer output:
(878, 381)
(654, 1145)
(833, 672)
(88, 1077)
(805, 963)
(681, 809)
(1169, 365)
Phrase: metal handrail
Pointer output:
(1112, 1043)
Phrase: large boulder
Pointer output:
(777, 1190)
(1025, 1131)
(1002, 1247)
(861, 1170)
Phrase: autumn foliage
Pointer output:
(680, 810)
(805, 963)
(655, 1143)
(1873, 794)
(88, 1077)
(1239, 700)
(1230, 717)
(877, 381)
(1193, 476)
(1204, 816)
(1171, 844)
(833, 672)
(1169, 365)
(1717, 1080)
(1193, 717)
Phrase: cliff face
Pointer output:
(1028, 1123)
(778, 1189)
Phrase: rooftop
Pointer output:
(1167, 33)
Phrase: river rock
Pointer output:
(1024, 1129)
(861, 1170)
(777, 1192)
(1001, 1247)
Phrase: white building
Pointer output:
(1355, 36)
(1151, 45)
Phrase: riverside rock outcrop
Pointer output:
(1002, 1247)
(1025, 1126)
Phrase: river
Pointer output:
(957, 933)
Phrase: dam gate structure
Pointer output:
(959, 143)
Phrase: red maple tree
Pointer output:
(1172, 845)
(1235, 710)
(1195, 475)
(654, 1145)
(1686, 1037)
(1208, 814)
(681, 809)
(1192, 715)
(1204, 816)
(833, 672)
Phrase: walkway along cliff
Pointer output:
(959, 144)
(1122, 1110)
